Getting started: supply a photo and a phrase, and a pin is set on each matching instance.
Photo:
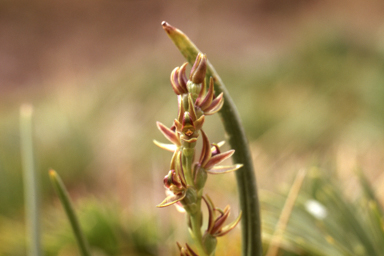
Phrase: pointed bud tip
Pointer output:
(164, 24)
(167, 27)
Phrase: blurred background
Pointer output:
(307, 78)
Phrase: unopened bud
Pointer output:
(172, 182)
(210, 243)
(189, 201)
(167, 182)
(199, 69)
(200, 177)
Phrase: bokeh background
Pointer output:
(307, 78)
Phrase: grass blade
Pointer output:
(66, 202)
(246, 180)
(286, 212)
(31, 194)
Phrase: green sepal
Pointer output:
(170, 200)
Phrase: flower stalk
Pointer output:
(186, 179)
(246, 180)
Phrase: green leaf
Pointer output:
(61, 191)
(30, 182)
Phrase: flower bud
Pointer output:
(173, 183)
(210, 243)
(167, 182)
(199, 69)
(189, 201)
(194, 89)
(200, 177)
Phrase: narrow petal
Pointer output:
(220, 144)
(191, 252)
(218, 159)
(201, 94)
(195, 64)
(183, 78)
(211, 212)
(224, 169)
(168, 147)
(175, 81)
(206, 102)
(173, 160)
(205, 151)
(171, 200)
(180, 115)
(179, 246)
(215, 106)
(199, 122)
(229, 227)
(178, 125)
(220, 221)
(169, 134)
(199, 69)
(191, 107)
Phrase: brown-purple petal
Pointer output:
(206, 102)
(169, 134)
(218, 159)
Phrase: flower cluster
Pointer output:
(186, 178)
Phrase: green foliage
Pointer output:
(327, 89)
(106, 229)
(66, 202)
(325, 221)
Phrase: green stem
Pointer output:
(246, 180)
(30, 182)
(187, 158)
(196, 229)
(66, 202)
(195, 215)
